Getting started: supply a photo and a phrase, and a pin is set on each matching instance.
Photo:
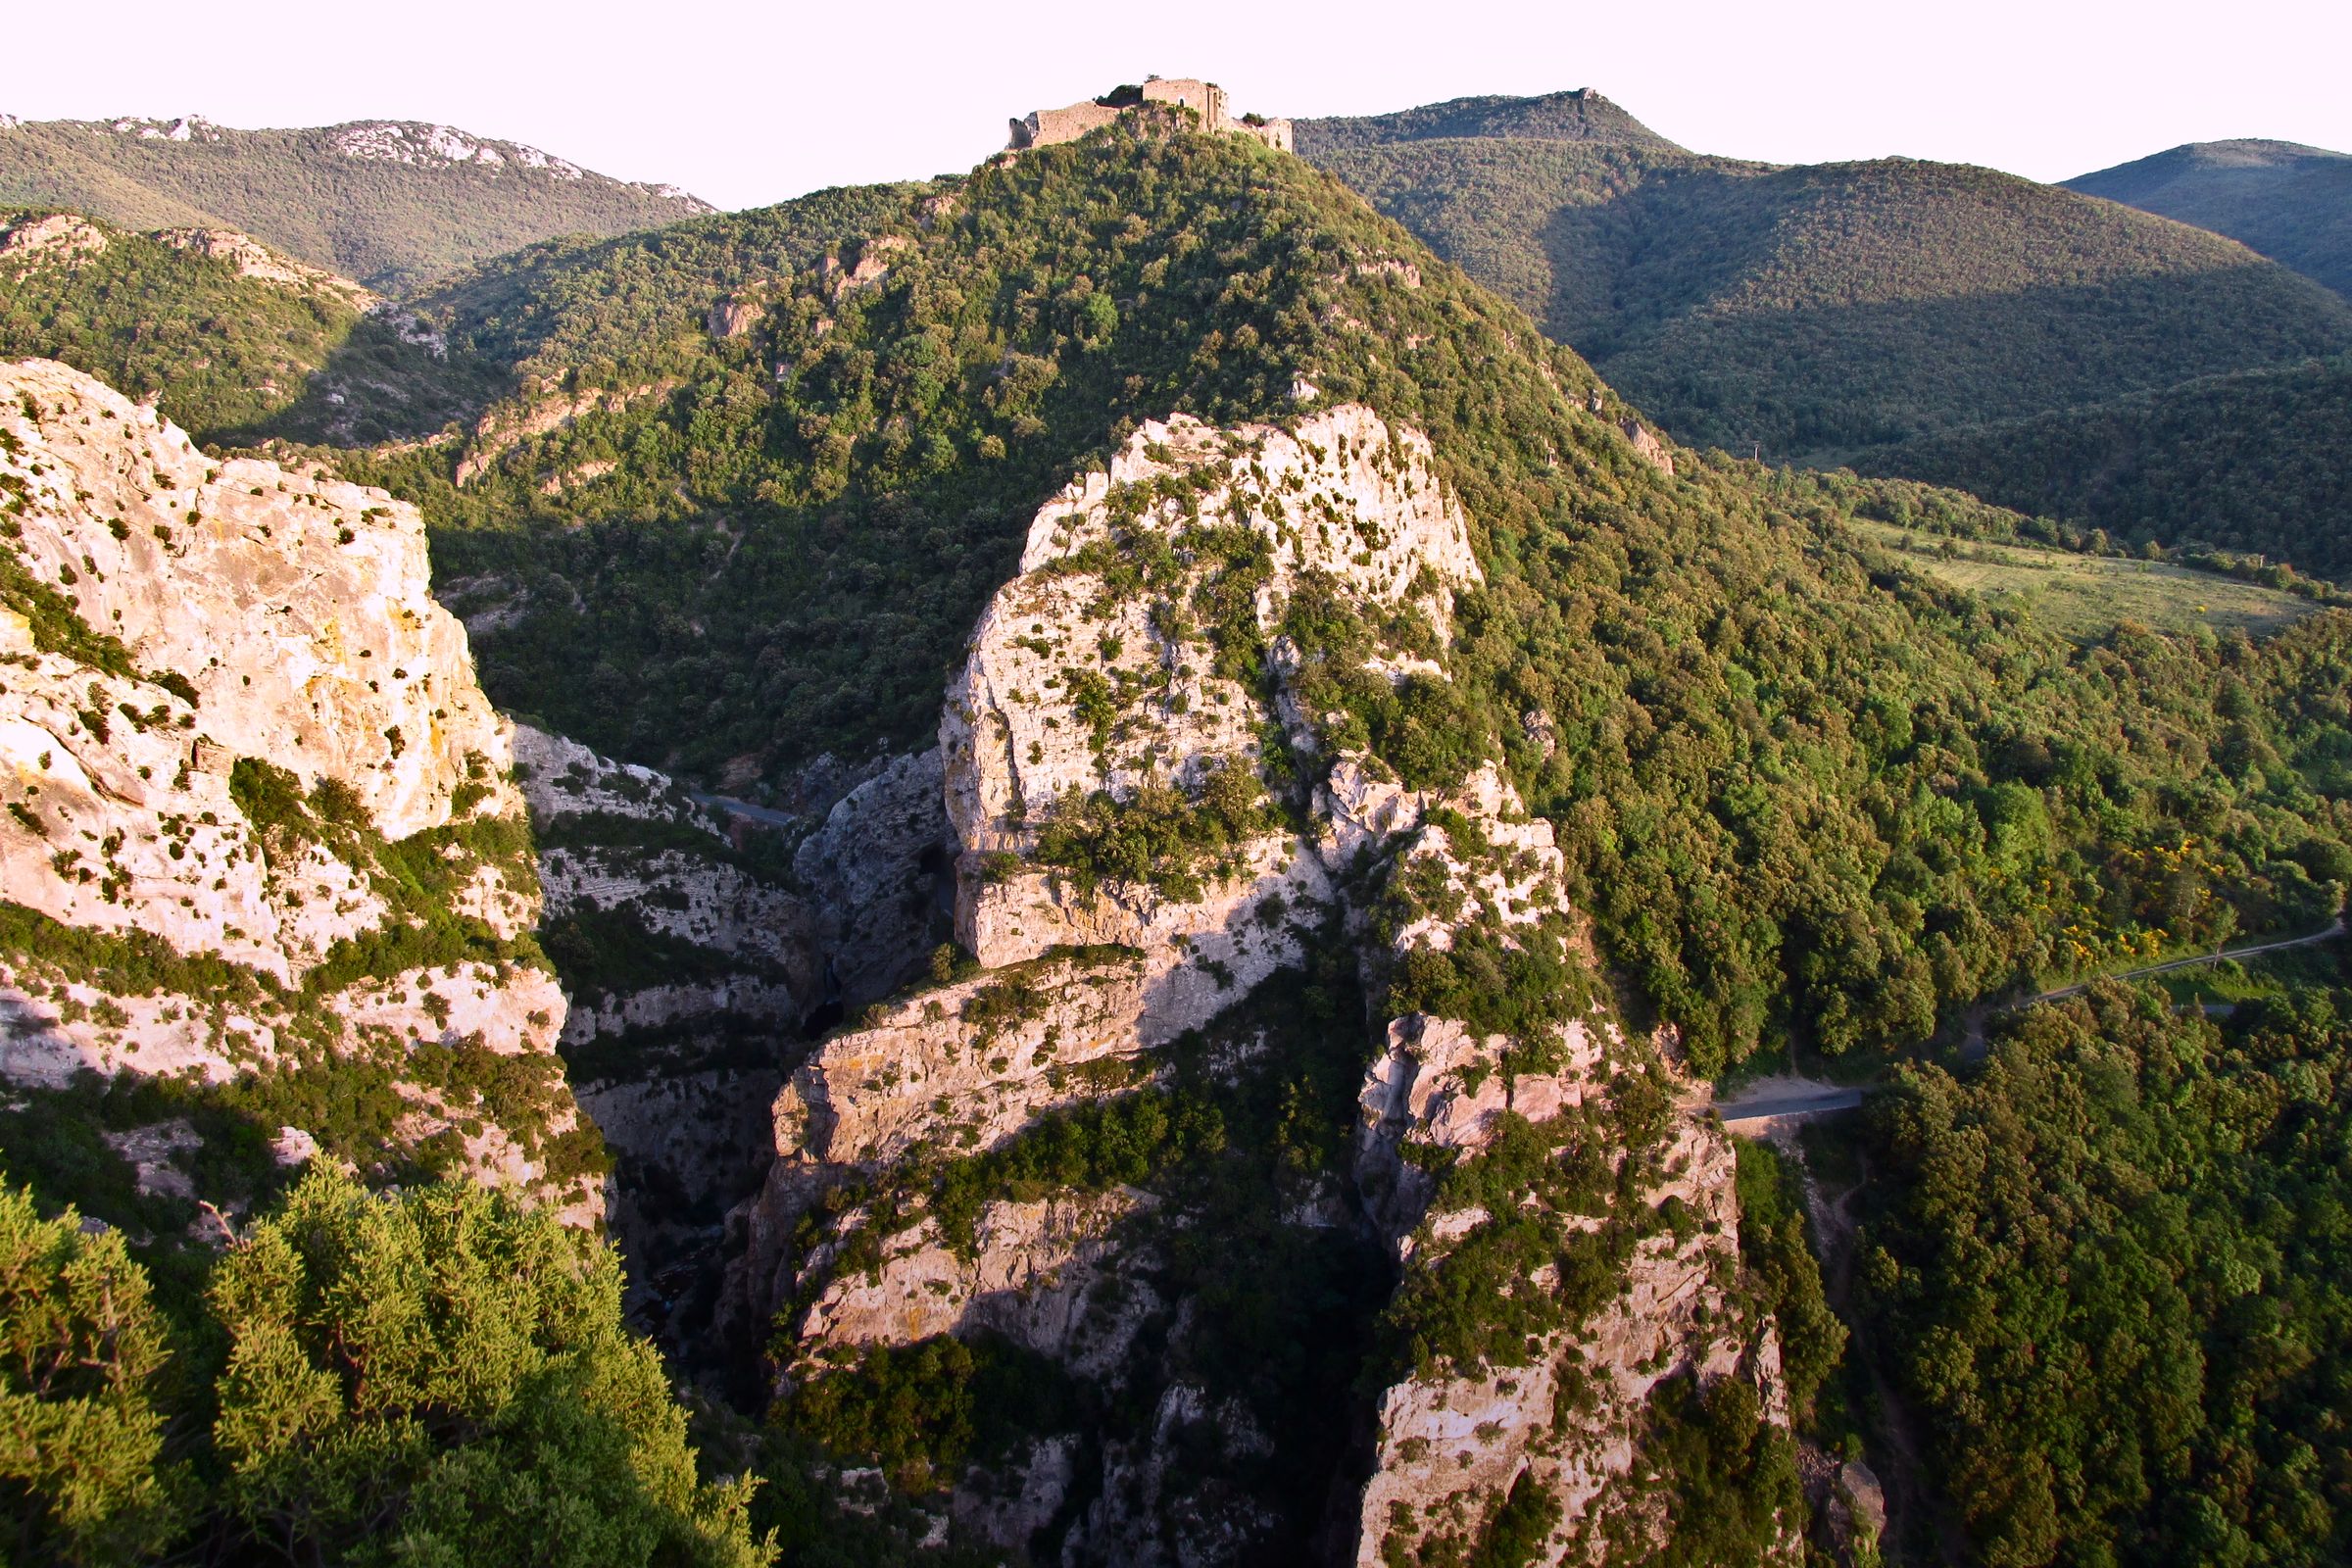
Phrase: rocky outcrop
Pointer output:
(51, 238)
(1646, 446)
(541, 408)
(876, 869)
(248, 767)
(694, 960)
(1124, 879)
(1029, 1273)
(735, 316)
(252, 259)
(1072, 689)
(1566, 1408)
(628, 845)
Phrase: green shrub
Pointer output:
(1162, 837)
(83, 1395)
(443, 1377)
(922, 1411)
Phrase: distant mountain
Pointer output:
(2290, 202)
(391, 203)
(1817, 311)
(1581, 116)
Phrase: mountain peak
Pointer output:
(1581, 115)
(2290, 202)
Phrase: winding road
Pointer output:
(2335, 928)
(1972, 1039)
(728, 806)
(1792, 1097)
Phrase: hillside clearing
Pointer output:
(2081, 595)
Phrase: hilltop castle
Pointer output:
(1042, 127)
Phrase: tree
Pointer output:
(442, 1377)
(83, 1356)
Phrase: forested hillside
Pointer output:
(1814, 310)
(391, 203)
(2114, 1272)
(225, 336)
(2255, 462)
(2291, 203)
(698, 547)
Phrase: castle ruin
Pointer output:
(1043, 128)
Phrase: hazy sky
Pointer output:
(746, 104)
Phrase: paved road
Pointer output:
(2335, 929)
(1788, 1097)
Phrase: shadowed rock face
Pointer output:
(229, 698)
(1106, 678)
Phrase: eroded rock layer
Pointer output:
(698, 945)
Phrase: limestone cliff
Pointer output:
(1228, 862)
(259, 835)
(694, 957)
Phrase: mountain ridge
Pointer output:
(1581, 115)
(1816, 309)
(390, 203)
(2290, 202)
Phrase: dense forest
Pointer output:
(2256, 462)
(220, 350)
(2114, 1271)
(1814, 310)
(439, 1375)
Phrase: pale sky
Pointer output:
(748, 104)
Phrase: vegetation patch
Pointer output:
(2124, 1236)
(1169, 839)
(2082, 595)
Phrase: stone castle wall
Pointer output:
(1043, 128)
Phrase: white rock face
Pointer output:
(764, 940)
(1453, 1439)
(58, 238)
(966, 1064)
(1095, 674)
(561, 778)
(1343, 496)
(680, 1071)
(1028, 1274)
(324, 653)
(207, 619)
